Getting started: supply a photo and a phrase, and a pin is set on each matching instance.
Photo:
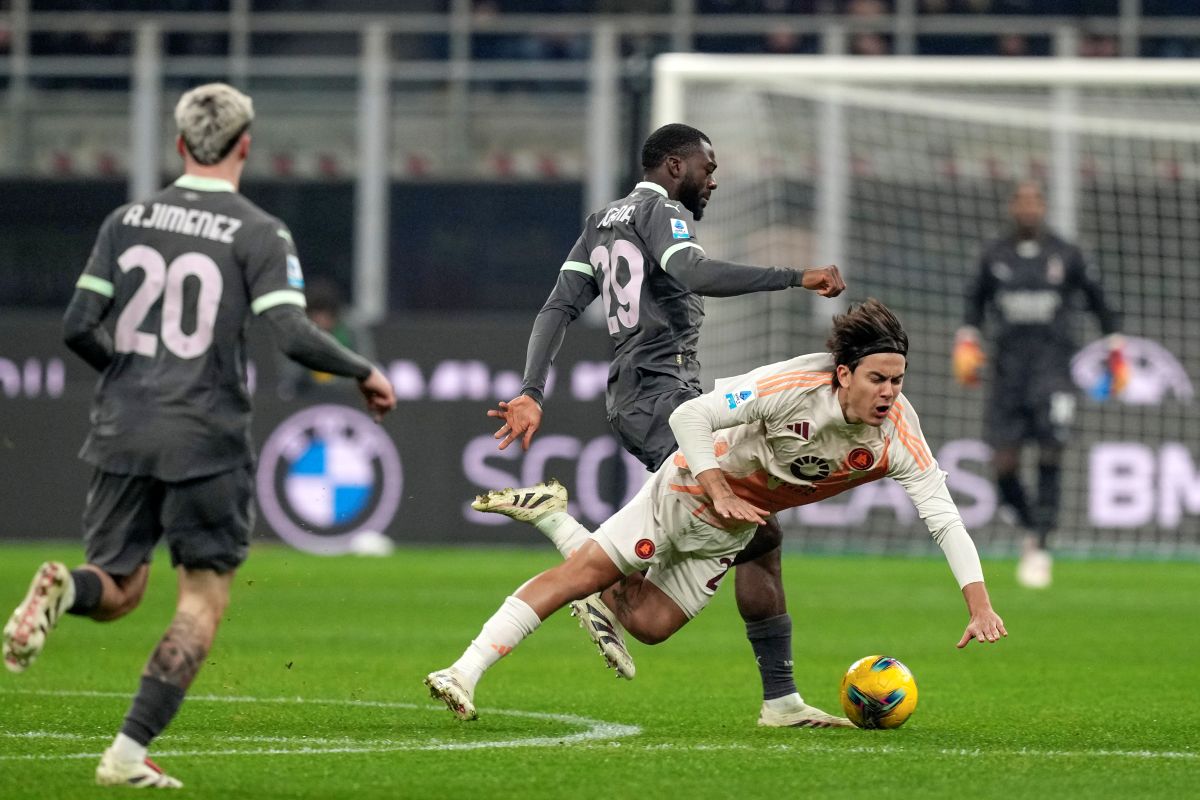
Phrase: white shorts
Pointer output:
(686, 557)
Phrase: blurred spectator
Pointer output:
(783, 40)
(1012, 44)
(1097, 46)
(868, 43)
(325, 310)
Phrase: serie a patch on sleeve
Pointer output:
(735, 399)
(679, 229)
(295, 277)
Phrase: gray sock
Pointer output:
(772, 642)
(155, 705)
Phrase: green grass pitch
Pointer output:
(314, 688)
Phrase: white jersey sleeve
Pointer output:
(746, 399)
(912, 466)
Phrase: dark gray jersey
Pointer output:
(653, 319)
(1031, 288)
(640, 256)
(181, 273)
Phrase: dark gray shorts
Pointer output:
(1013, 419)
(206, 520)
(643, 428)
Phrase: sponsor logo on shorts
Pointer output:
(860, 459)
(325, 474)
(679, 229)
(644, 549)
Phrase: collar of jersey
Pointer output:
(652, 186)
(200, 183)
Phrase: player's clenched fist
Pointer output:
(377, 391)
(825, 281)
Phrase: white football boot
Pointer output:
(143, 774)
(447, 686)
(800, 715)
(530, 504)
(606, 632)
(524, 505)
(50, 594)
(1034, 569)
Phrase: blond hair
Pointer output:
(211, 118)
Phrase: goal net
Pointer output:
(899, 171)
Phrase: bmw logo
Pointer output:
(326, 473)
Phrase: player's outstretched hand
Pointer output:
(825, 281)
(985, 626)
(735, 508)
(522, 417)
(377, 391)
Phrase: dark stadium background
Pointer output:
(491, 165)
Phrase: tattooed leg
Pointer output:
(643, 609)
(181, 652)
(617, 596)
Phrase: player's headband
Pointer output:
(886, 345)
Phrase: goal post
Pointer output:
(899, 171)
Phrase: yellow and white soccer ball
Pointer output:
(878, 692)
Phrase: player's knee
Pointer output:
(123, 595)
(118, 604)
(763, 548)
(651, 623)
(650, 633)
(206, 609)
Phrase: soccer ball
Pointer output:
(878, 692)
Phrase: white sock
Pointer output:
(128, 750)
(511, 623)
(564, 530)
(789, 702)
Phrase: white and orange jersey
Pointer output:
(779, 436)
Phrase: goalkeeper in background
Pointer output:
(1028, 280)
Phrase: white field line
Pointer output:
(594, 737)
(886, 749)
(593, 730)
